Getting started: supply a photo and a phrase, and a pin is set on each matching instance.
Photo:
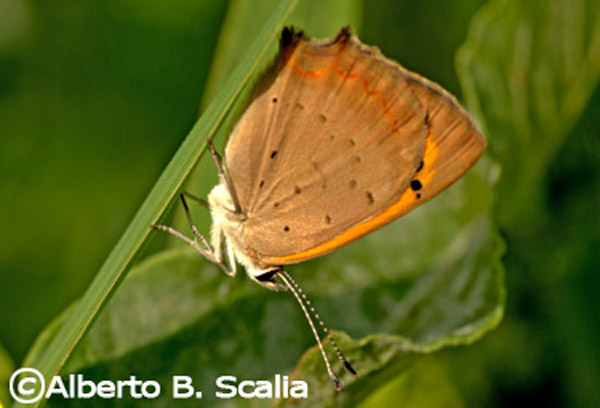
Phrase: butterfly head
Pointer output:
(267, 277)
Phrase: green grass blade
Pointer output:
(123, 254)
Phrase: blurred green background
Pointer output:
(95, 97)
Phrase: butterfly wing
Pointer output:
(340, 143)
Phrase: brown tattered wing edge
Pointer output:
(288, 41)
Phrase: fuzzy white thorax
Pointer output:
(227, 231)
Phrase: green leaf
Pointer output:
(427, 385)
(121, 258)
(528, 68)
(429, 280)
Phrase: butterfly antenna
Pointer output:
(302, 299)
(338, 351)
(334, 378)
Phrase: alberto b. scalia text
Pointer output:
(27, 385)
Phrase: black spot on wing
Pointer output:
(416, 185)
(421, 164)
(370, 198)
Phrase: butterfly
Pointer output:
(338, 142)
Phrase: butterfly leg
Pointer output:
(200, 244)
(231, 264)
(197, 199)
(224, 177)
(216, 237)
(193, 227)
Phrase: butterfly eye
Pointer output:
(267, 276)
